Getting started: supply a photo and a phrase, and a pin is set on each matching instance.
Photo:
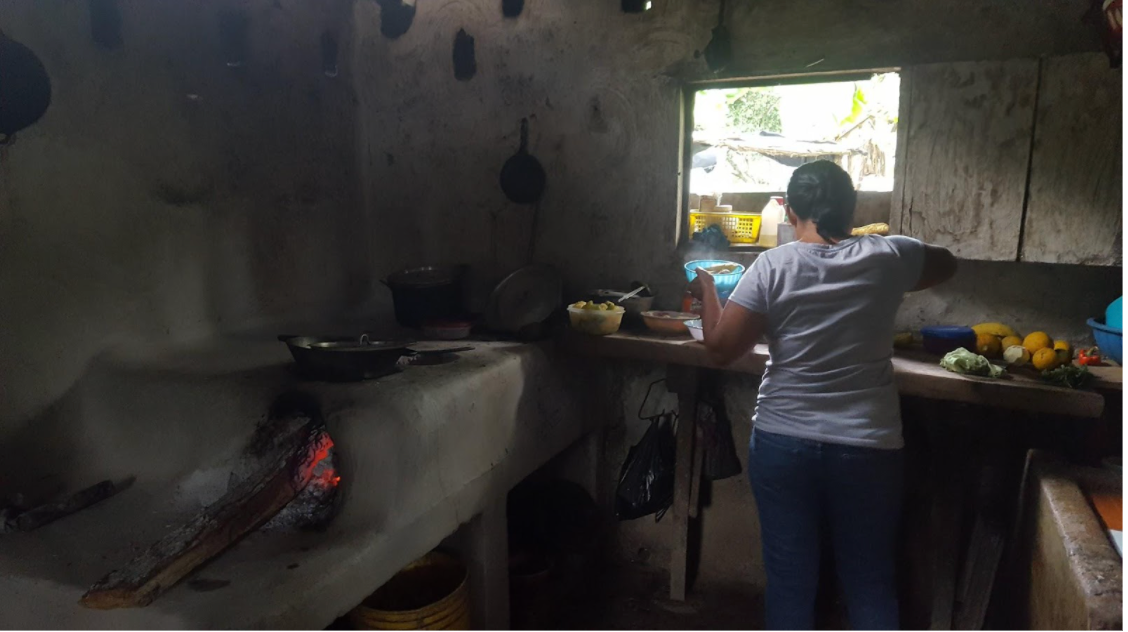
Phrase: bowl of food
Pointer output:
(635, 305)
(696, 329)
(596, 319)
(668, 323)
(726, 274)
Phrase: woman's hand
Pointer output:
(702, 284)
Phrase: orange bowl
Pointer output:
(668, 323)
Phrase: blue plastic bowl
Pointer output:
(726, 283)
(1109, 340)
(942, 340)
(1114, 315)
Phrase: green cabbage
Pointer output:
(965, 362)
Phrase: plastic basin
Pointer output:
(726, 283)
(1109, 340)
(1114, 315)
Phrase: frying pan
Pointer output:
(25, 88)
(718, 52)
(522, 177)
(351, 359)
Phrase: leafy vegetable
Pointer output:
(1068, 376)
(965, 362)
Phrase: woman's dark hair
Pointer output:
(822, 192)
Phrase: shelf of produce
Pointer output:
(917, 374)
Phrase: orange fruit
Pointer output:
(1012, 341)
(988, 346)
(1044, 359)
(1038, 340)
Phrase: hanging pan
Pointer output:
(25, 88)
(522, 177)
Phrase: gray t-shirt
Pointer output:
(830, 316)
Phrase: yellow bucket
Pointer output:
(428, 594)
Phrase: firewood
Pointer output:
(287, 470)
(50, 512)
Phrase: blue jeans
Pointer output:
(800, 485)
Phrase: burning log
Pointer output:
(288, 459)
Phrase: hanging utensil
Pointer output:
(522, 177)
(25, 88)
(631, 294)
(718, 53)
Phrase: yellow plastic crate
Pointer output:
(740, 228)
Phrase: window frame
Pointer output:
(688, 101)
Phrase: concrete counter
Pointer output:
(420, 453)
(1069, 577)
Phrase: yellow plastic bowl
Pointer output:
(597, 322)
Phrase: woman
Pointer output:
(826, 445)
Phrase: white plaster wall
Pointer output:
(134, 211)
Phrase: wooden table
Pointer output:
(916, 373)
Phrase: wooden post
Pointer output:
(683, 381)
(488, 566)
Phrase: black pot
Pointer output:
(428, 293)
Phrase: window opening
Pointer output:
(747, 141)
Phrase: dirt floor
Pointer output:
(634, 597)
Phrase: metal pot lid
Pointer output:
(426, 276)
(526, 297)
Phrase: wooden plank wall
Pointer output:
(967, 156)
(1074, 209)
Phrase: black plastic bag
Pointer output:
(646, 482)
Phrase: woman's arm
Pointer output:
(730, 332)
(939, 266)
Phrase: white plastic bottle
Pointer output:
(770, 217)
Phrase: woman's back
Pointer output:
(830, 312)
